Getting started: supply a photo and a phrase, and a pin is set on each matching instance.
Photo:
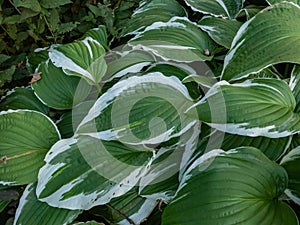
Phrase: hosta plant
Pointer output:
(194, 119)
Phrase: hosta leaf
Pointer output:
(250, 11)
(178, 40)
(128, 62)
(25, 138)
(205, 81)
(258, 107)
(290, 163)
(83, 58)
(241, 186)
(228, 8)
(272, 2)
(220, 30)
(34, 212)
(84, 172)
(153, 11)
(35, 58)
(181, 71)
(57, 90)
(273, 148)
(22, 98)
(295, 86)
(99, 34)
(295, 141)
(140, 110)
(272, 36)
(162, 180)
(70, 120)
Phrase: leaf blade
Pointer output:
(32, 211)
(238, 186)
(258, 107)
(23, 147)
(275, 41)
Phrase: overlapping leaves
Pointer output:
(153, 11)
(32, 211)
(95, 155)
(142, 128)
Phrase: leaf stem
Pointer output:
(49, 27)
(15, 7)
(121, 214)
(4, 29)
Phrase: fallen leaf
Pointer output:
(35, 77)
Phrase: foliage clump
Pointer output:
(176, 112)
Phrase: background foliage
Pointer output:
(30, 24)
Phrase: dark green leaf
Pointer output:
(291, 163)
(22, 98)
(70, 120)
(241, 186)
(35, 58)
